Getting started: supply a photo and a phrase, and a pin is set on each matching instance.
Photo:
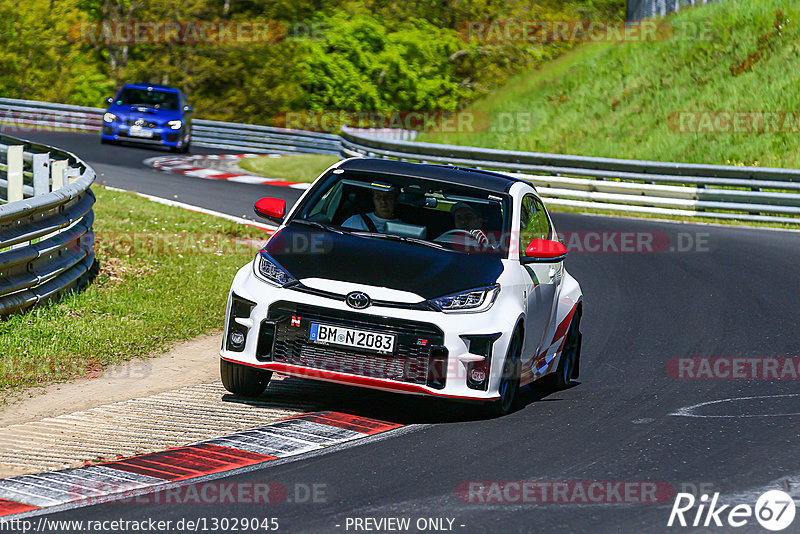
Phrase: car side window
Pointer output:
(533, 223)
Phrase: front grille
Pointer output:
(143, 124)
(410, 362)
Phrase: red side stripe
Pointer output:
(189, 462)
(347, 421)
(12, 507)
(561, 331)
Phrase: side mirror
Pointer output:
(545, 251)
(109, 101)
(271, 209)
(188, 109)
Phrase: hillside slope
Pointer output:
(733, 97)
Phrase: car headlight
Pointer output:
(268, 270)
(175, 125)
(109, 117)
(471, 301)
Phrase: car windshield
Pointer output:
(415, 210)
(152, 98)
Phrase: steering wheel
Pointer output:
(451, 237)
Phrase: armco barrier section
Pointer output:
(682, 189)
(751, 194)
(46, 237)
(211, 134)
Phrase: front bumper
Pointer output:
(160, 135)
(432, 354)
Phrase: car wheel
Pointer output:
(509, 381)
(570, 356)
(242, 379)
(186, 147)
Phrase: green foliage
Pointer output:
(355, 55)
(362, 66)
(39, 58)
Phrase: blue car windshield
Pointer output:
(149, 98)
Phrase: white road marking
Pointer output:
(688, 411)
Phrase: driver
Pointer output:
(466, 218)
(385, 203)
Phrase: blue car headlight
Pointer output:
(268, 270)
(470, 301)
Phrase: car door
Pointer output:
(542, 279)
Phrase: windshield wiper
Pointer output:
(404, 239)
(318, 225)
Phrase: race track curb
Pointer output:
(193, 166)
(121, 479)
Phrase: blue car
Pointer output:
(150, 114)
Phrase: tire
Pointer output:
(509, 381)
(242, 379)
(568, 363)
(186, 147)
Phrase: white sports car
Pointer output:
(411, 278)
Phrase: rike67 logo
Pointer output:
(774, 510)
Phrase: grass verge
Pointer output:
(164, 278)
(638, 99)
(305, 168)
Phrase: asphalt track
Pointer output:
(736, 295)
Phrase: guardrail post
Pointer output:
(41, 174)
(71, 174)
(14, 173)
(57, 169)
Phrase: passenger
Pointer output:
(385, 203)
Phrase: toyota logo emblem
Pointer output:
(358, 300)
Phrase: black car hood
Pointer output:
(429, 272)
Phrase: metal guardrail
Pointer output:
(46, 237)
(683, 189)
(211, 134)
(751, 194)
(637, 10)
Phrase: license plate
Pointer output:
(138, 131)
(348, 337)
